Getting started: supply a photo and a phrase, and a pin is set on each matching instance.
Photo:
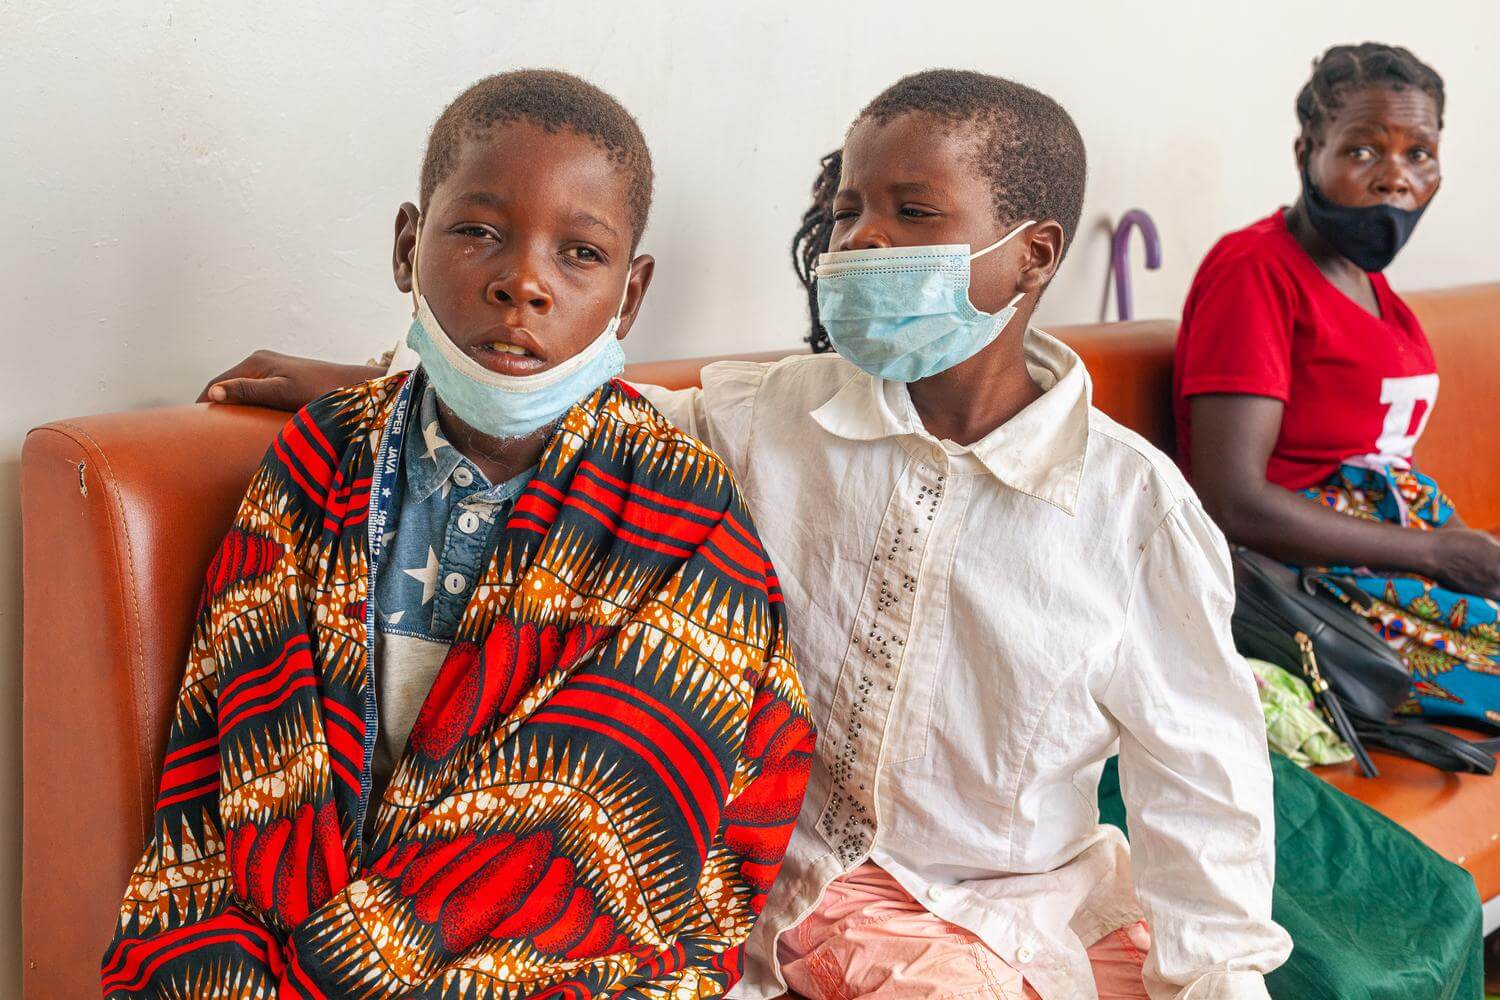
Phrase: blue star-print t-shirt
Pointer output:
(446, 531)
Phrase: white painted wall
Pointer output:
(185, 182)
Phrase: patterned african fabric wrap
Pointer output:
(596, 795)
(1449, 641)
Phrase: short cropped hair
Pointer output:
(552, 100)
(1029, 148)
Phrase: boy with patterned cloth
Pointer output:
(489, 693)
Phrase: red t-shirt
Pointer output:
(1262, 320)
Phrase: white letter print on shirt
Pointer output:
(1408, 403)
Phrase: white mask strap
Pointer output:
(1003, 240)
(416, 293)
(620, 309)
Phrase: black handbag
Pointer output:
(1357, 679)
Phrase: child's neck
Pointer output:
(500, 459)
(969, 400)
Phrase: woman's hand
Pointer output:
(282, 381)
(1467, 561)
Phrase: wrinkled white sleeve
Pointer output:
(1194, 771)
(720, 414)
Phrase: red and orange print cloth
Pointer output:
(599, 787)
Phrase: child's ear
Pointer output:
(641, 270)
(1043, 245)
(1300, 149)
(408, 218)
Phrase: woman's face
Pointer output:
(1380, 148)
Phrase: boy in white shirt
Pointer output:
(994, 583)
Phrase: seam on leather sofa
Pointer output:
(142, 715)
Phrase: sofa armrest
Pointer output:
(121, 514)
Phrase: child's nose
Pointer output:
(521, 286)
(866, 236)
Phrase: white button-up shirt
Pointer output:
(976, 628)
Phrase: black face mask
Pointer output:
(1369, 235)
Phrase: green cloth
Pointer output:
(1293, 725)
(1372, 911)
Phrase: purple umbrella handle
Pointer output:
(1119, 260)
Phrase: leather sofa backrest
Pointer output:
(123, 511)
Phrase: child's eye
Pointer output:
(1420, 155)
(912, 212)
(843, 214)
(586, 255)
(476, 232)
(1361, 154)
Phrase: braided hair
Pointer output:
(1345, 68)
(1030, 152)
(812, 239)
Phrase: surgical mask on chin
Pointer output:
(509, 406)
(1369, 235)
(903, 313)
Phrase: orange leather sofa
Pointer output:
(122, 512)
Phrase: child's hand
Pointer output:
(282, 381)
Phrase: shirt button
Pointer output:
(1024, 955)
(935, 893)
(468, 522)
(454, 583)
(462, 476)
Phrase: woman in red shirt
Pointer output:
(1300, 376)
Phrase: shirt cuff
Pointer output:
(1227, 986)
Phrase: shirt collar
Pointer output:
(431, 459)
(1040, 451)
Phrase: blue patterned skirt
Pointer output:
(1450, 642)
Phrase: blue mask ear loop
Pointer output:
(973, 256)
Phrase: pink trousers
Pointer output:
(869, 938)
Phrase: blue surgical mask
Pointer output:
(903, 313)
(508, 406)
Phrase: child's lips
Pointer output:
(506, 359)
(508, 351)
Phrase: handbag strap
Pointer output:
(1432, 746)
